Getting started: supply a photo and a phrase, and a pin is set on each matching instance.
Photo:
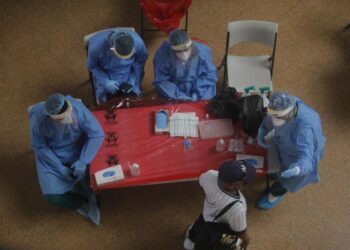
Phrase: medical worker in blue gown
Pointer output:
(65, 138)
(183, 69)
(295, 130)
(116, 59)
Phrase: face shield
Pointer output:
(277, 121)
(115, 52)
(66, 116)
(122, 44)
(184, 51)
(184, 55)
(279, 118)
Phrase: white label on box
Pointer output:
(109, 175)
(259, 159)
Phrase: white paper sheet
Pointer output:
(184, 124)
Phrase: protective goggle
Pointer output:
(64, 114)
(279, 113)
(181, 47)
(182, 51)
(115, 52)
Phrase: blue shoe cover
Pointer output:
(94, 212)
(83, 210)
(265, 204)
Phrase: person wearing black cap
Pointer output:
(116, 59)
(223, 188)
(183, 69)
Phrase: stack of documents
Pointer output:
(184, 124)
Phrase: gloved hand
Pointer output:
(126, 87)
(261, 139)
(67, 173)
(79, 168)
(112, 86)
(293, 170)
(194, 96)
(182, 96)
(251, 162)
(268, 137)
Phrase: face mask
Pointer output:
(67, 119)
(277, 122)
(183, 55)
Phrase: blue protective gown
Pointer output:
(178, 80)
(299, 141)
(58, 145)
(105, 65)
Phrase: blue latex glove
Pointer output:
(79, 168)
(182, 96)
(194, 97)
(67, 173)
(112, 86)
(261, 140)
(293, 170)
(251, 162)
(126, 87)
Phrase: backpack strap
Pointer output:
(225, 209)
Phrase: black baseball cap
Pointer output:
(232, 171)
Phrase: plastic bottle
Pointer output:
(230, 147)
(135, 169)
(238, 145)
(187, 144)
(220, 145)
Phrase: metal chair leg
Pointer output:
(267, 182)
(141, 22)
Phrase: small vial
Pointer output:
(135, 169)
(220, 145)
(238, 145)
(207, 116)
(187, 144)
(230, 145)
(250, 140)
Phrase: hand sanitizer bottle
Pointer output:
(220, 145)
(135, 169)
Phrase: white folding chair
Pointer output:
(86, 42)
(250, 72)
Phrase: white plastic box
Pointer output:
(109, 175)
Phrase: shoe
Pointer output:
(265, 204)
(273, 176)
(93, 198)
(83, 210)
(94, 212)
(188, 244)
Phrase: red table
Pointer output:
(130, 138)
